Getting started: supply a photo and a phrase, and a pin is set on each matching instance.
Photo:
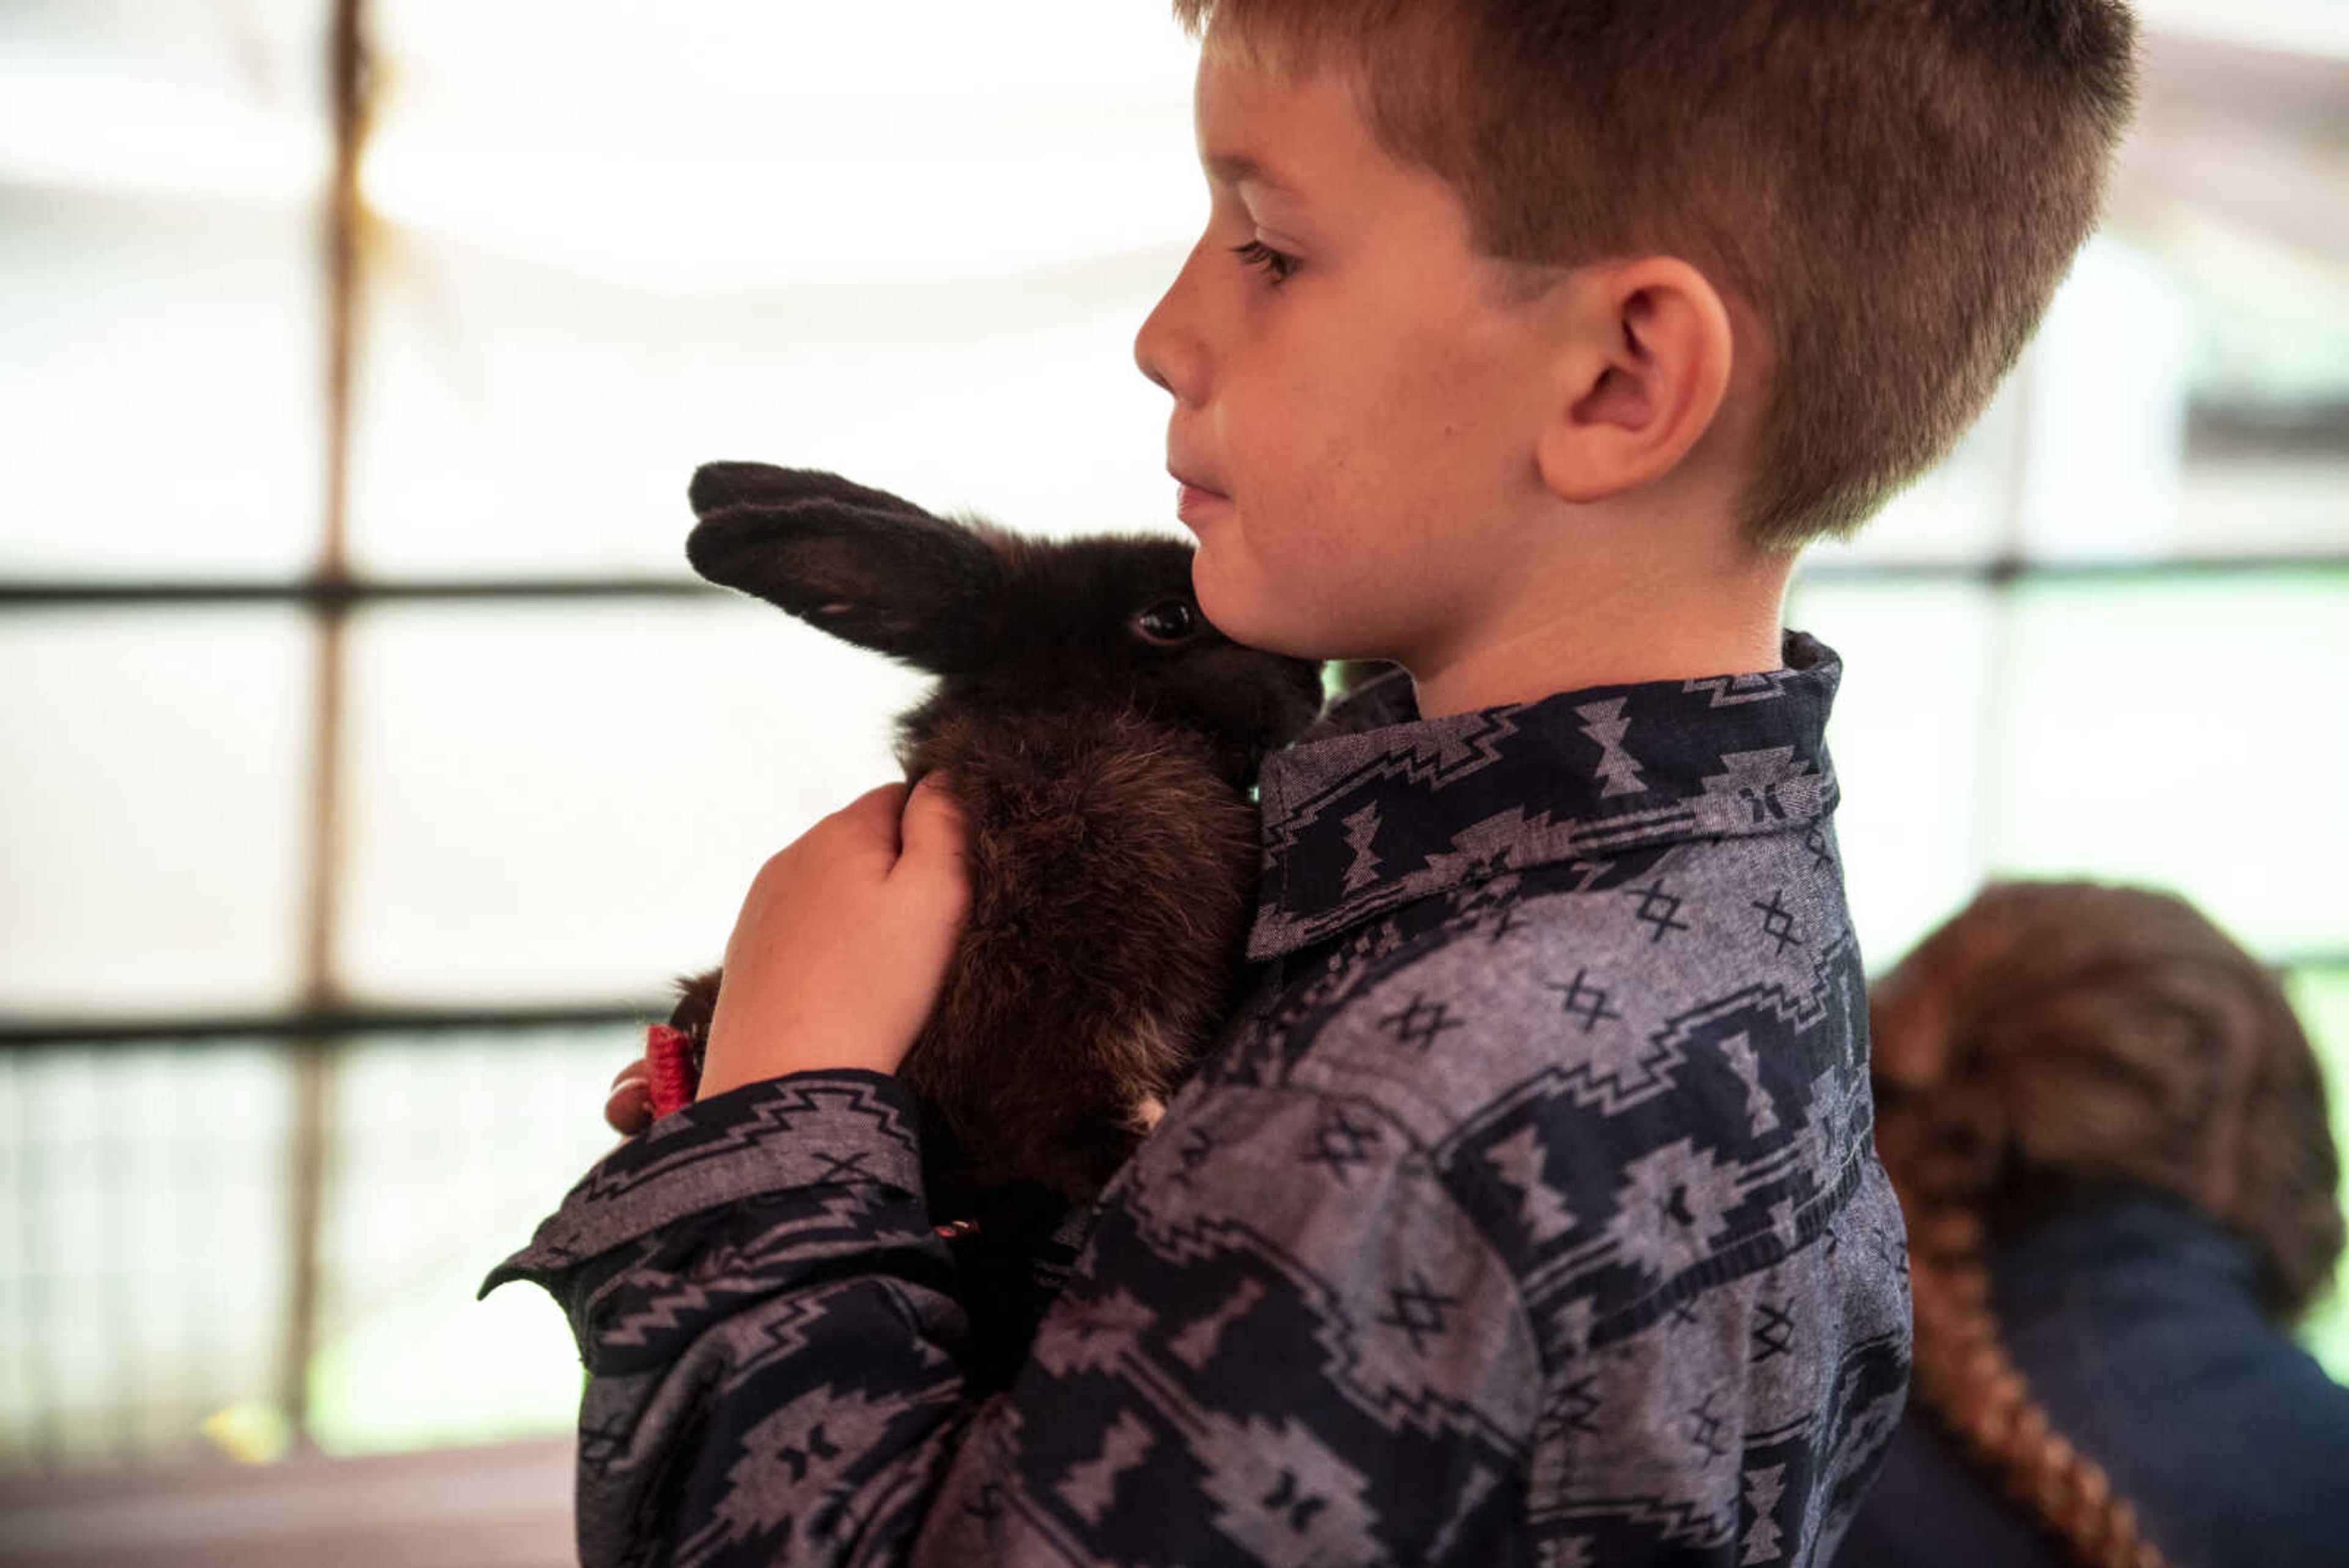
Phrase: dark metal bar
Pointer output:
(2010, 571)
(28, 1034)
(324, 595)
(42, 1302)
(311, 1056)
(312, 1061)
(321, 594)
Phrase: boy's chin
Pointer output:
(1251, 623)
(1241, 602)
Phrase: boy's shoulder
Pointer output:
(1539, 1160)
(1576, 951)
(1578, 1151)
(1607, 891)
(1384, 809)
(1695, 1002)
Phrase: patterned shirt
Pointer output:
(1527, 1211)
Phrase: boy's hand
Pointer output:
(628, 1109)
(842, 946)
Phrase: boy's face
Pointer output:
(1356, 404)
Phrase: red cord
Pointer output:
(670, 1053)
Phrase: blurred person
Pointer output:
(2109, 1136)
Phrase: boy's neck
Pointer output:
(1619, 629)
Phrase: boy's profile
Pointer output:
(1528, 1209)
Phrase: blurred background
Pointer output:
(369, 760)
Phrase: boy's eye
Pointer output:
(1277, 264)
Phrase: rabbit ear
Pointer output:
(721, 484)
(861, 564)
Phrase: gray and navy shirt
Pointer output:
(1527, 1211)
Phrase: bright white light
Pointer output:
(728, 147)
(70, 124)
(2291, 27)
(658, 212)
(2105, 407)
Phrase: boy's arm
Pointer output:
(1283, 1344)
(768, 1326)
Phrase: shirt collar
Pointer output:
(1389, 807)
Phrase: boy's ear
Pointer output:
(1648, 361)
(865, 565)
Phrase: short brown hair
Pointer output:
(1895, 186)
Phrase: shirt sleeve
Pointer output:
(1281, 1344)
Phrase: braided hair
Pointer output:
(2057, 1038)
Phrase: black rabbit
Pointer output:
(1102, 739)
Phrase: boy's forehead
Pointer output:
(1283, 134)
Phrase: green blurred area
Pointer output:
(144, 1298)
(2182, 733)
(424, 1205)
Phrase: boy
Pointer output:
(1528, 1209)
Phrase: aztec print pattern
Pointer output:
(1526, 1212)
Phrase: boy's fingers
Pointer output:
(639, 1068)
(932, 824)
(873, 815)
(630, 1108)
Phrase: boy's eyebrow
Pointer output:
(1237, 168)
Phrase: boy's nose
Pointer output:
(1166, 350)
(1146, 363)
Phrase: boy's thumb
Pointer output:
(932, 830)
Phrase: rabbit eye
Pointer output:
(1167, 622)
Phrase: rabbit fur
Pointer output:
(1102, 739)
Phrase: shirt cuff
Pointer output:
(839, 1128)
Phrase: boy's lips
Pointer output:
(1191, 503)
(1190, 498)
